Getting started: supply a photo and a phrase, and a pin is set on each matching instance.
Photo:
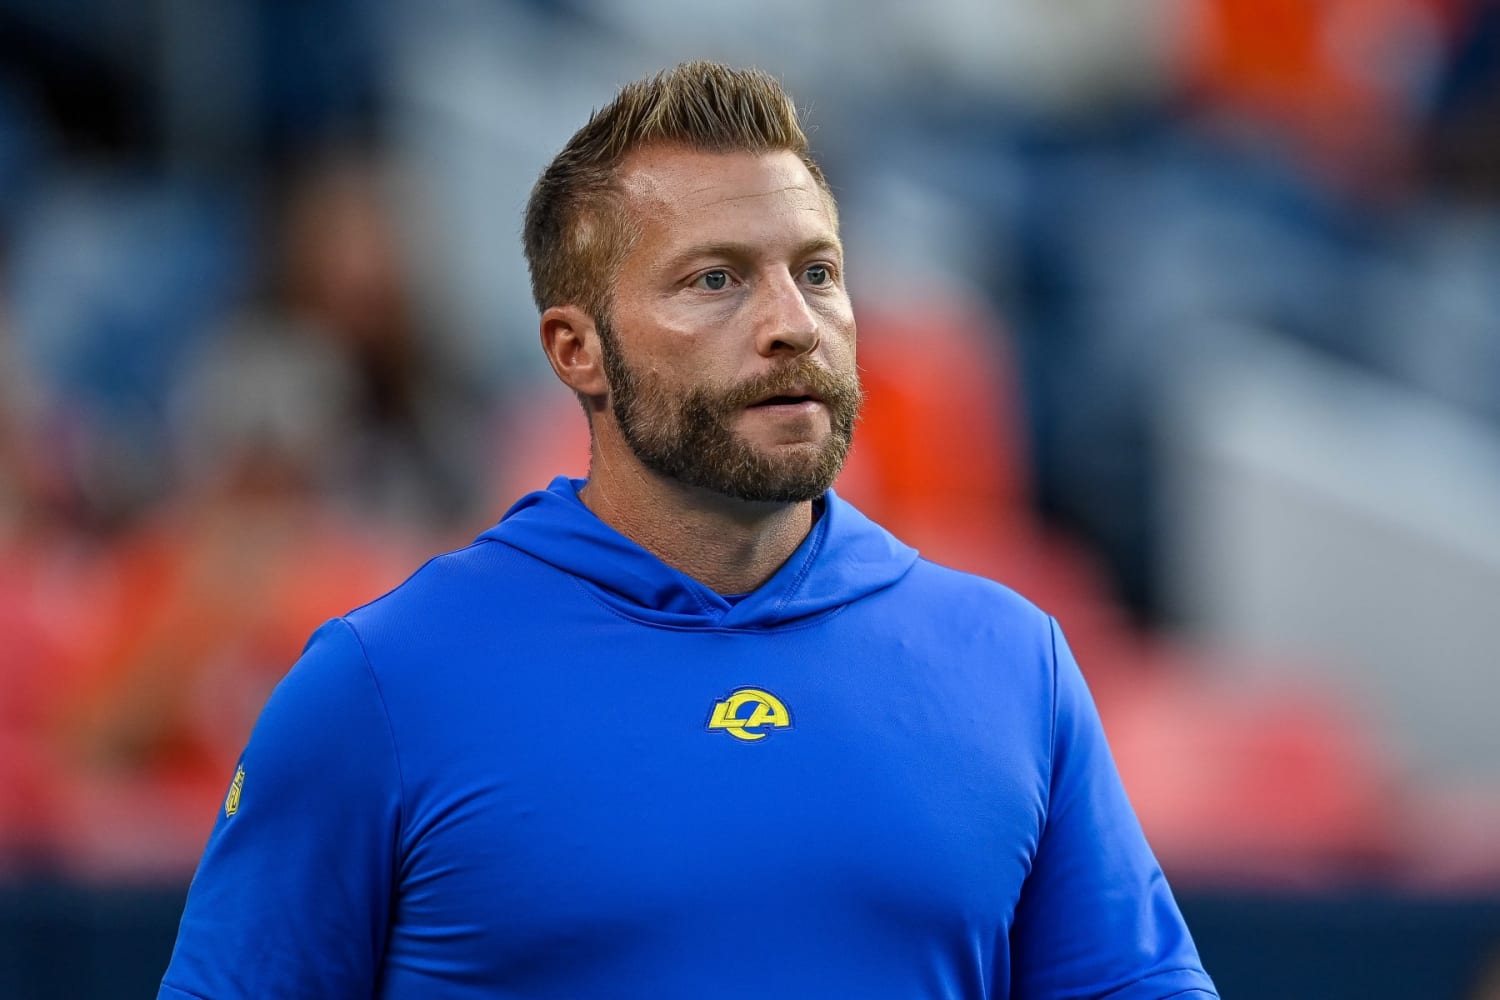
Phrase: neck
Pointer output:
(731, 546)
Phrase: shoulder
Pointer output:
(448, 587)
(461, 616)
(941, 587)
(978, 628)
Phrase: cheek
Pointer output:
(687, 342)
(838, 327)
(677, 369)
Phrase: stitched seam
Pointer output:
(186, 993)
(390, 729)
(819, 540)
(624, 616)
(1052, 719)
(1157, 975)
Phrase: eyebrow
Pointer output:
(732, 250)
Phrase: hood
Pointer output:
(846, 556)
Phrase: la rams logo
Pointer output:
(765, 712)
(232, 800)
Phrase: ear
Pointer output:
(572, 344)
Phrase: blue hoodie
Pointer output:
(551, 766)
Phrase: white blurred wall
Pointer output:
(1333, 522)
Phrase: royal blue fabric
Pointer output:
(500, 780)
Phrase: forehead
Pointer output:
(674, 191)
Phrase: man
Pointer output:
(693, 727)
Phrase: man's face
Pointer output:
(730, 346)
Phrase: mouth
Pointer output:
(796, 397)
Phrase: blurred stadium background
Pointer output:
(1180, 316)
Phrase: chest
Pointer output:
(701, 794)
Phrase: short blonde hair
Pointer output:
(577, 231)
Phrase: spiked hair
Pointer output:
(577, 229)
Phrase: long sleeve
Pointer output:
(1096, 918)
(294, 891)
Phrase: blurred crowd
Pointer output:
(266, 343)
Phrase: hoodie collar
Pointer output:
(846, 556)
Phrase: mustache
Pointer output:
(838, 391)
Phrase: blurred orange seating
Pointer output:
(214, 605)
(1339, 79)
(1254, 785)
(55, 594)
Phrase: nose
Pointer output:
(787, 324)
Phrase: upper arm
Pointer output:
(293, 894)
(1095, 918)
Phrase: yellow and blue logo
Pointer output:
(232, 800)
(766, 714)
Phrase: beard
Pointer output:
(690, 437)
